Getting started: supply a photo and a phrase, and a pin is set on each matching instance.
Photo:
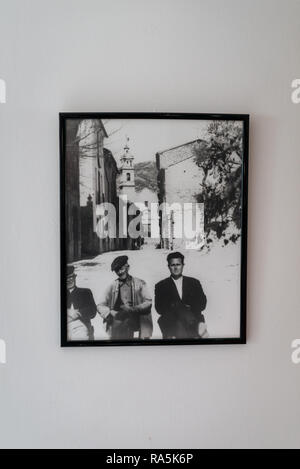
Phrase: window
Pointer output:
(128, 177)
(98, 199)
(99, 148)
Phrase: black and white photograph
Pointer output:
(149, 303)
(153, 229)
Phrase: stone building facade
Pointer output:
(179, 183)
(98, 184)
(91, 134)
(91, 181)
(72, 193)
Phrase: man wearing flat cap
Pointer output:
(126, 308)
(81, 308)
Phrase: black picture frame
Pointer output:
(244, 118)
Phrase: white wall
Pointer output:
(237, 56)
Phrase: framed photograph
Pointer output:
(153, 228)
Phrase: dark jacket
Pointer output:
(79, 319)
(180, 318)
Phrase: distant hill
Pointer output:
(145, 176)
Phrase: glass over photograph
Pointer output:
(153, 229)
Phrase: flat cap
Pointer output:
(118, 262)
(70, 270)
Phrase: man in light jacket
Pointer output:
(126, 308)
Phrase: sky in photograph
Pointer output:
(149, 136)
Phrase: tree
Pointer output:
(221, 162)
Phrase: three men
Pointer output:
(179, 301)
(126, 308)
(81, 308)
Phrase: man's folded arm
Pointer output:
(201, 302)
(159, 301)
(90, 308)
(103, 307)
(201, 297)
(145, 306)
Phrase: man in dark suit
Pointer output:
(179, 301)
(81, 308)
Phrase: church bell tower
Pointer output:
(127, 183)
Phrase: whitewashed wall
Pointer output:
(237, 56)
